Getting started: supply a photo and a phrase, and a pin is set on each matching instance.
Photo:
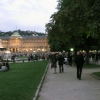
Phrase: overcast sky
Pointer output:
(26, 14)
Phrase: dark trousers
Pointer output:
(61, 69)
(70, 63)
(79, 71)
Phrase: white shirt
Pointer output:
(3, 68)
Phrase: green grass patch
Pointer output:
(97, 74)
(22, 80)
(22, 56)
(91, 66)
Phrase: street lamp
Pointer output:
(71, 49)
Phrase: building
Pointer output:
(25, 44)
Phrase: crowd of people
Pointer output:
(58, 59)
(30, 56)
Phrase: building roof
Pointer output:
(16, 34)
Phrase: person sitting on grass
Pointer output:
(3, 68)
(0, 65)
(7, 65)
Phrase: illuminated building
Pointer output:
(25, 44)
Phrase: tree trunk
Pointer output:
(87, 56)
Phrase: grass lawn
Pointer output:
(22, 80)
(91, 66)
(96, 74)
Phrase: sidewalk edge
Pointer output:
(39, 86)
(95, 76)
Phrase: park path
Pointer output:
(65, 86)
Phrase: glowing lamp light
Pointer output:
(71, 49)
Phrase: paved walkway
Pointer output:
(66, 86)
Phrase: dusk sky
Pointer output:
(26, 14)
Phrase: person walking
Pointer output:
(54, 62)
(60, 63)
(96, 58)
(79, 60)
(70, 59)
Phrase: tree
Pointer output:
(75, 24)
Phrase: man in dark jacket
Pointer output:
(60, 63)
(79, 60)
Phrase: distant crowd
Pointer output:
(31, 56)
(59, 59)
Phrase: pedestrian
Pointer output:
(70, 59)
(7, 65)
(79, 60)
(54, 62)
(96, 58)
(60, 63)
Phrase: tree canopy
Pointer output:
(75, 24)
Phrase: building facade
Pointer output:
(25, 44)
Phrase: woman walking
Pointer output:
(54, 62)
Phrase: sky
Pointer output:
(26, 14)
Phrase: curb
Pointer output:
(95, 76)
(39, 86)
